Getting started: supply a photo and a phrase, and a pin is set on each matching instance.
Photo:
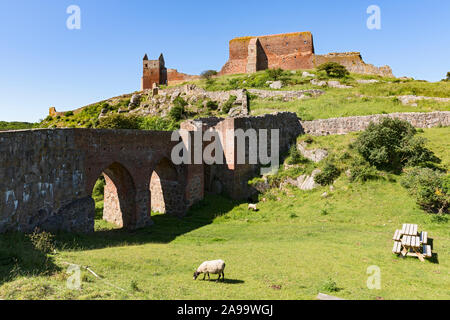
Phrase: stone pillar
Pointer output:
(252, 60)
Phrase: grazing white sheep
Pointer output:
(214, 267)
(252, 207)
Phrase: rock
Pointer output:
(122, 110)
(367, 81)
(276, 85)
(307, 74)
(175, 95)
(318, 83)
(304, 182)
(315, 155)
(331, 188)
(337, 84)
(134, 101)
(324, 195)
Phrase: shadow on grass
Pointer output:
(18, 257)
(166, 228)
(226, 281)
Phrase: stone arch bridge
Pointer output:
(48, 177)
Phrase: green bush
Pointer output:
(208, 74)
(429, 187)
(157, 124)
(211, 105)
(42, 241)
(176, 113)
(229, 104)
(333, 70)
(391, 145)
(68, 113)
(362, 171)
(329, 173)
(119, 121)
(295, 157)
(329, 286)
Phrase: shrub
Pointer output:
(118, 121)
(429, 187)
(329, 286)
(157, 124)
(362, 171)
(211, 105)
(208, 74)
(229, 104)
(68, 113)
(391, 145)
(49, 118)
(274, 74)
(42, 241)
(99, 189)
(176, 113)
(329, 173)
(295, 157)
(333, 70)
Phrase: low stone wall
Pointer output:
(324, 127)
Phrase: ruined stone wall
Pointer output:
(353, 62)
(174, 77)
(290, 51)
(352, 124)
(231, 178)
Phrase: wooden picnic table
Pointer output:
(408, 242)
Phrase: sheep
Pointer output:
(252, 207)
(214, 267)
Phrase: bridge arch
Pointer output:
(119, 196)
(167, 188)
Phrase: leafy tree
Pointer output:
(430, 188)
(391, 145)
(333, 69)
(208, 74)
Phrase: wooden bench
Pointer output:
(427, 251)
(397, 247)
(424, 237)
(409, 229)
(397, 235)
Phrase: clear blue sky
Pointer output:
(43, 64)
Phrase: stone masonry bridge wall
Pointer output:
(47, 178)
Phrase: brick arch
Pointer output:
(119, 196)
(167, 188)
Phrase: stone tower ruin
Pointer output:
(154, 71)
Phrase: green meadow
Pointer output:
(297, 245)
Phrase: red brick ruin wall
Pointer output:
(288, 51)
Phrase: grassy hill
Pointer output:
(360, 99)
(297, 245)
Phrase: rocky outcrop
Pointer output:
(314, 155)
(304, 182)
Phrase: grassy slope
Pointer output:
(362, 99)
(288, 242)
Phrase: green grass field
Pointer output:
(290, 249)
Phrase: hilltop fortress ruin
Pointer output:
(288, 51)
